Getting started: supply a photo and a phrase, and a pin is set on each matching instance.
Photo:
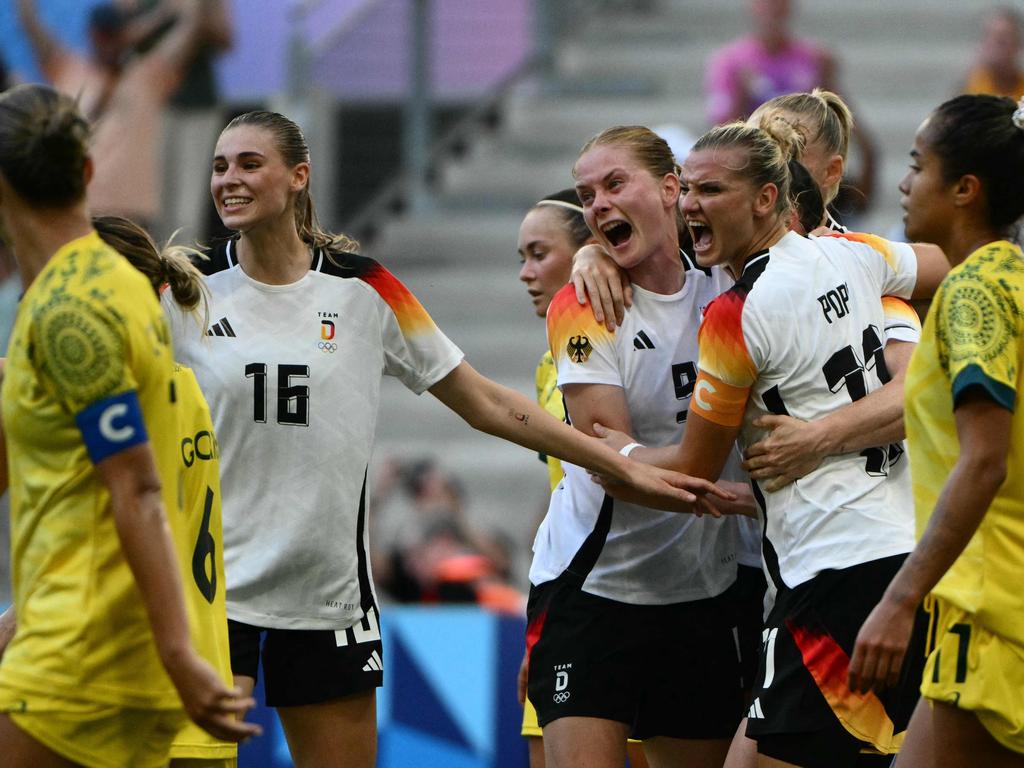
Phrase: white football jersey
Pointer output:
(622, 551)
(292, 375)
(802, 333)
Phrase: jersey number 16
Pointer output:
(292, 399)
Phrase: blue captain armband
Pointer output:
(111, 425)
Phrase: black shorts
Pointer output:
(310, 666)
(749, 595)
(802, 711)
(664, 670)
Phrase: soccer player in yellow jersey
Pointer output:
(101, 652)
(550, 233)
(965, 433)
(201, 543)
(204, 552)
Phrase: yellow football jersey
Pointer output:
(550, 399)
(201, 551)
(973, 337)
(88, 374)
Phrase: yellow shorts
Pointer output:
(977, 671)
(204, 762)
(531, 729)
(93, 734)
(195, 748)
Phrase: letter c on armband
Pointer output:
(703, 389)
(111, 425)
(109, 429)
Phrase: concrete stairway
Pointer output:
(897, 61)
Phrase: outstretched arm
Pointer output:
(218, 29)
(503, 412)
(48, 51)
(703, 453)
(932, 267)
(214, 20)
(175, 50)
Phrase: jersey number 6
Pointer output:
(206, 547)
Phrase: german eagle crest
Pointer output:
(579, 348)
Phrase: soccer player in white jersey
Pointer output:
(826, 124)
(301, 332)
(631, 629)
(795, 447)
(800, 333)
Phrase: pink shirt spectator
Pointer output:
(746, 73)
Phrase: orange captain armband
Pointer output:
(718, 402)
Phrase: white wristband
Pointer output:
(628, 449)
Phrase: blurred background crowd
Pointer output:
(434, 125)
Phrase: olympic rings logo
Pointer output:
(327, 346)
(561, 697)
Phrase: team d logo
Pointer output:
(561, 683)
(326, 334)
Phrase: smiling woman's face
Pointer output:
(250, 182)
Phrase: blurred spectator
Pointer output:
(124, 94)
(193, 120)
(6, 81)
(430, 552)
(770, 62)
(997, 68)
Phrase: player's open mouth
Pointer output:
(702, 235)
(617, 232)
(235, 202)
